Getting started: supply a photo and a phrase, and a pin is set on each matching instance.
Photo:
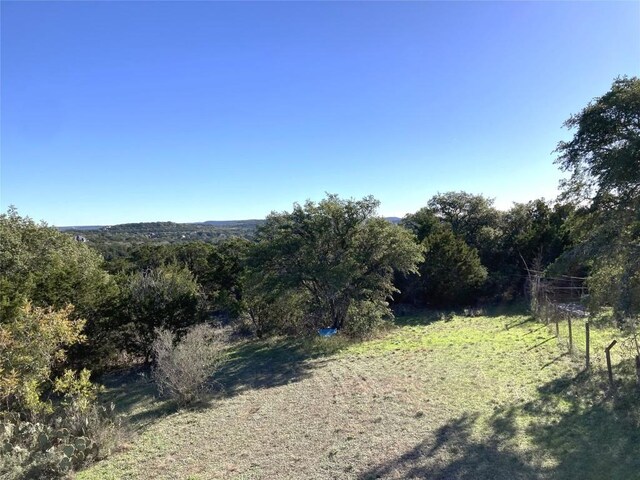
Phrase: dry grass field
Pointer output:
(490, 397)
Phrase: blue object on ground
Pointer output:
(327, 332)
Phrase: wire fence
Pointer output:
(562, 304)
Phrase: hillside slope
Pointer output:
(483, 398)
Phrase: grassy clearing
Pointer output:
(488, 397)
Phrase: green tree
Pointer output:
(603, 159)
(451, 274)
(223, 278)
(472, 217)
(162, 298)
(536, 233)
(50, 269)
(339, 253)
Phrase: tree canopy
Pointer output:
(603, 158)
(48, 268)
(338, 253)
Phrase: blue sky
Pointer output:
(118, 112)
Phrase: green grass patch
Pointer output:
(486, 397)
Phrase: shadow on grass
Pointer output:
(273, 362)
(135, 397)
(533, 330)
(533, 347)
(576, 428)
(555, 360)
(250, 365)
(406, 315)
(597, 435)
(454, 454)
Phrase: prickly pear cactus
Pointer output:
(64, 463)
(81, 443)
(68, 450)
(44, 441)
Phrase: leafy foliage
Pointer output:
(32, 344)
(336, 252)
(451, 273)
(166, 297)
(471, 217)
(48, 268)
(603, 158)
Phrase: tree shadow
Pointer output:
(594, 432)
(135, 397)
(251, 364)
(454, 453)
(272, 363)
(576, 427)
(407, 315)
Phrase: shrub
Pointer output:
(40, 438)
(183, 368)
(163, 298)
(272, 311)
(78, 434)
(32, 344)
(366, 316)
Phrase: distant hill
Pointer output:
(153, 226)
(233, 223)
(109, 239)
(81, 227)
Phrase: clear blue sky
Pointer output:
(118, 112)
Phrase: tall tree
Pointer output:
(48, 268)
(472, 217)
(451, 273)
(603, 159)
(339, 252)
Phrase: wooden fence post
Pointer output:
(607, 352)
(586, 335)
(570, 334)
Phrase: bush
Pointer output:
(366, 316)
(51, 423)
(32, 345)
(271, 311)
(182, 369)
(76, 435)
(163, 298)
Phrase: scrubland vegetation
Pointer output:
(225, 375)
